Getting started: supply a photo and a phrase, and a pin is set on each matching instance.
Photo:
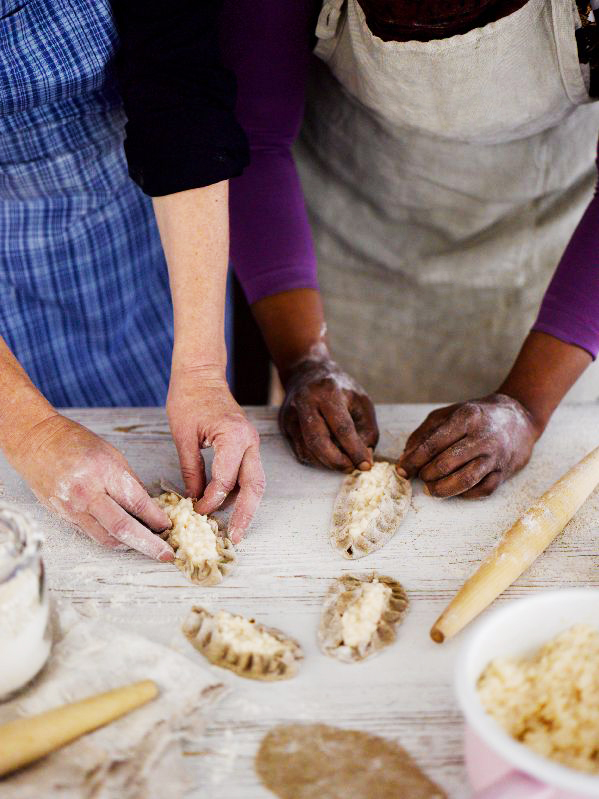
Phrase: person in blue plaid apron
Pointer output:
(86, 314)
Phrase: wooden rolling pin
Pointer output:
(520, 546)
(27, 739)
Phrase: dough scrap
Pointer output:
(360, 615)
(316, 761)
(241, 645)
(369, 509)
(202, 552)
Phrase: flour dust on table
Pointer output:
(140, 755)
(360, 616)
(316, 761)
(243, 646)
(369, 509)
(202, 551)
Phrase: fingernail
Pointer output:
(401, 472)
(235, 536)
(166, 556)
(426, 490)
(364, 466)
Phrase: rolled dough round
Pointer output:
(315, 761)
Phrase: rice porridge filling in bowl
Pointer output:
(527, 683)
(550, 701)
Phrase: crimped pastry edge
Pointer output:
(380, 530)
(211, 572)
(342, 591)
(199, 627)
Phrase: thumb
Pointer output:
(192, 465)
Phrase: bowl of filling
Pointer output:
(527, 681)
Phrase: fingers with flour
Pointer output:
(203, 413)
(343, 428)
(94, 530)
(317, 437)
(470, 448)
(191, 462)
(127, 490)
(461, 480)
(84, 522)
(291, 429)
(437, 438)
(364, 416)
(120, 525)
(92, 486)
(252, 483)
(334, 416)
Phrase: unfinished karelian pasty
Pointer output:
(368, 510)
(359, 616)
(315, 761)
(243, 646)
(202, 553)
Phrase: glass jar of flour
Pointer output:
(25, 627)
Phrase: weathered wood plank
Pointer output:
(284, 569)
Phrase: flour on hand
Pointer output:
(201, 552)
(368, 510)
(360, 615)
(241, 645)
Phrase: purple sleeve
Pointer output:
(267, 44)
(570, 308)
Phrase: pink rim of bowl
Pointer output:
(519, 628)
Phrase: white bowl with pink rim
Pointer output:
(498, 766)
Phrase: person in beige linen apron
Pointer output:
(444, 179)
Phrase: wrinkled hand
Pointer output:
(470, 448)
(327, 417)
(89, 483)
(202, 413)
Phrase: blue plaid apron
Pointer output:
(85, 303)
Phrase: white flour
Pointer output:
(24, 611)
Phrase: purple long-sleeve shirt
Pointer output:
(570, 307)
(268, 43)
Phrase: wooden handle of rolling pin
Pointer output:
(27, 739)
(520, 546)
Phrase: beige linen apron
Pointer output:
(444, 180)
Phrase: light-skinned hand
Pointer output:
(88, 482)
(202, 413)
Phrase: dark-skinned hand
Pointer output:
(327, 417)
(470, 448)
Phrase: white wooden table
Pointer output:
(284, 568)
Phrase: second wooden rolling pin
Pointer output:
(520, 546)
(27, 739)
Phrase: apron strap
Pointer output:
(328, 19)
(587, 39)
